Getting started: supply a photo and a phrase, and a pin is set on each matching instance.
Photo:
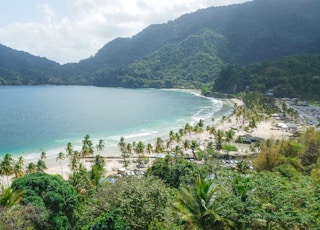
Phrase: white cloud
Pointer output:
(90, 24)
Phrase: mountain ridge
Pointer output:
(191, 50)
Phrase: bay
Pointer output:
(43, 118)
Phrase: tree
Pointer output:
(18, 167)
(43, 156)
(138, 200)
(196, 206)
(159, 145)
(140, 148)
(219, 139)
(6, 166)
(10, 197)
(31, 168)
(56, 198)
(269, 156)
(60, 158)
(109, 220)
(100, 146)
(194, 146)
(97, 170)
(122, 145)
(87, 147)
(186, 144)
(174, 171)
(229, 135)
(41, 166)
(69, 150)
(149, 148)
(177, 150)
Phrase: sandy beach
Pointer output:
(265, 129)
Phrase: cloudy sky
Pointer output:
(71, 30)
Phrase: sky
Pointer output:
(71, 30)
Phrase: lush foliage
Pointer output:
(294, 76)
(138, 201)
(52, 195)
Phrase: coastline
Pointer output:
(53, 165)
(112, 153)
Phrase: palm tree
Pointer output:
(100, 145)
(41, 166)
(229, 135)
(74, 161)
(6, 166)
(159, 145)
(31, 168)
(186, 144)
(18, 167)
(243, 167)
(87, 148)
(196, 204)
(69, 149)
(60, 158)
(122, 144)
(194, 146)
(201, 123)
(181, 132)
(10, 197)
(43, 155)
(177, 150)
(18, 170)
(219, 140)
(140, 148)
(149, 148)
(188, 128)
(178, 137)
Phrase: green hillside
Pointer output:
(188, 52)
(293, 76)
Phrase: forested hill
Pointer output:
(293, 76)
(188, 51)
(21, 68)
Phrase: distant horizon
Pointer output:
(78, 29)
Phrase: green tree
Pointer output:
(6, 166)
(97, 170)
(109, 220)
(196, 206)
(174, 171)
(10, 197)
(140, 148)
(194, 146)
(43, 156)
(100, 146)
(219, 139)
(31, 168)
(138, 200)
(60, 158)
(159, 148)
(69, 150)
(41, 166)
(19, 167)
(56, 198)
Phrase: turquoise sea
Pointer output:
(46, 118)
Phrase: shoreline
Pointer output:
(264, 130)
(53, 166)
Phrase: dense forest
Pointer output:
(293, 76)
(191, 51)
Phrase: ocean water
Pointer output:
(45, 118)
